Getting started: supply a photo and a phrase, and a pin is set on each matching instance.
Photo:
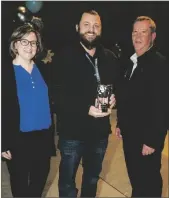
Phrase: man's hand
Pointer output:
(147, 150)
(118, 132)
(112, 101)
(7, 155)
(97, 113)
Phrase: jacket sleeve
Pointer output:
(117, 82)
(4, 119)
(9, 121)
(157, 103)
(45, 70)
(68, 95)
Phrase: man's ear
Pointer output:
(77, 28)
(153, 36)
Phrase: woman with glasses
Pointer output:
(27, 137)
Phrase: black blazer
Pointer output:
(10, 121)
(143, 101)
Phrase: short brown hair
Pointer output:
(19, 32)
(92, 12)
(146, 18)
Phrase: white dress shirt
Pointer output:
(133, 58)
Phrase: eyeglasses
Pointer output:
(25, 42)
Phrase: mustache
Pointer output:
(90, 32)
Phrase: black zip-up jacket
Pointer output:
(74, 75)
(143, 101)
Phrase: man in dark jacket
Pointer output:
(84, 129)
(142, 106)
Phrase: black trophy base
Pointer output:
(104, 107)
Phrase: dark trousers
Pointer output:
(29, 166)
(144, 171)
(92, 155)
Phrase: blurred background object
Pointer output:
(34, 6)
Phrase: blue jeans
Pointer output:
(92, 155)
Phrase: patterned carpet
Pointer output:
(113, 173)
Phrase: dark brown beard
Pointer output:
(89, 44)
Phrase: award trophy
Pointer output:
(104, 93)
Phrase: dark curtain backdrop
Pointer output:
(60, 17)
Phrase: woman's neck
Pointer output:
(26, 64)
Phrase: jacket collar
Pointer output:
(147, 55)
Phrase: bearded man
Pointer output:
(84, 128)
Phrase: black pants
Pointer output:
(29, 166)
(144, 171)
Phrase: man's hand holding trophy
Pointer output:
(104, 102)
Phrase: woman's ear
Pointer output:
(15, 48)
(77, 28)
